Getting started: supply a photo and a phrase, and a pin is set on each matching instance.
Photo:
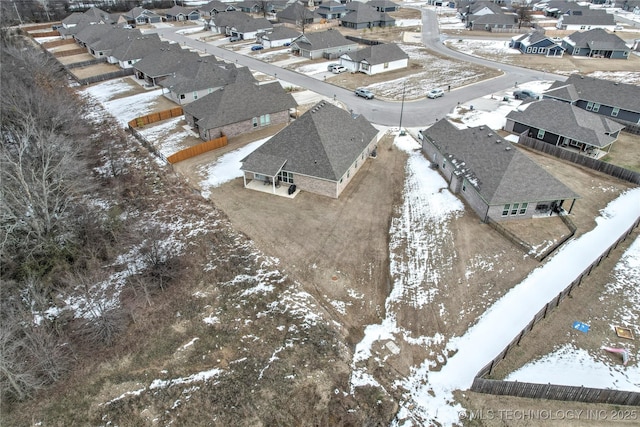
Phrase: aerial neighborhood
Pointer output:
(424, 198)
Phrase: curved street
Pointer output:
(420, 113)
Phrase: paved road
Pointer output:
(421, 113)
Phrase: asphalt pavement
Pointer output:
(414, 114)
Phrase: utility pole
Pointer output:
(404, 85)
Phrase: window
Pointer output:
(589, 106)
(576, 51)
(523, 208)
(195, 95)
(209, 90)
(615, 112)
(464, 186)
(182, 96)
(285, 177)
(542, 50)
(596, 107)
(540, 134)
(386, 65)
(529, 50)
(255, 122)
(265, 120)
(444, 164)
(514, 209)
(505, 210)
(583, 27)
(534, 50)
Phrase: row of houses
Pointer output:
(490, 16)
(596, 43)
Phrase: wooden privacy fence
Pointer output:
(70, 52)
(56, 43)
(45, 34)
(573, 157)
(555, 302)
(196, 150)
(556, 392)
(155, 117)
(103, 77)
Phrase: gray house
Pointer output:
(134, 49)
(179, 13)
(297, 14)
(536, 43)
(492, 21)
(280, 36)
(163, 63)
(239, 24)
(565, 125)
(203, 77)
(384, 5)
(239, 108)
(617, 101)
(362, 16)
(376, 59)
(586, 20)
(111, 40)
(215, 7)
(331, 10)
(320, 152)
(493, 177)
(596, 43)
(324, 44)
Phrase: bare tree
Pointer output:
(303, 15)
(524, 16)
(41, 163)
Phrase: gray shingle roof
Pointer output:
(209, 73)
(114, 38)
(238, 102)
(562, 118)
(493, 18)
(166, 60)
(240, 21)
(294, 12)
(281, 33)
(604, 92)
(137, 48)
(324, 143)
(500, 173)
(603, 18)
(322, 40)
(366, 14)
(378, 54)
(92, 33)
(597, 39)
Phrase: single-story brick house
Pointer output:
(320, 152)
(239, 108)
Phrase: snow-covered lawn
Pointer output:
(429, 397)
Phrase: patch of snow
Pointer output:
(197, 377)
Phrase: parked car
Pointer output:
(525, 94)
(330, 66)
(234, 39)
(435, 93)
(337, 69)
(257, 47)
(365, 93)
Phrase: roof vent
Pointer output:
(498, 141)
(490, 135)
(507, 148)
(481, 127)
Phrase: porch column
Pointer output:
(273, 184)
(571, 207)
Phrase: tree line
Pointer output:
(58, 241)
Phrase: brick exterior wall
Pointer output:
(240, 128)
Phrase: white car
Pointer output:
(337, 69)
(435, 93)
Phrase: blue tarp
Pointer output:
(582, 327)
